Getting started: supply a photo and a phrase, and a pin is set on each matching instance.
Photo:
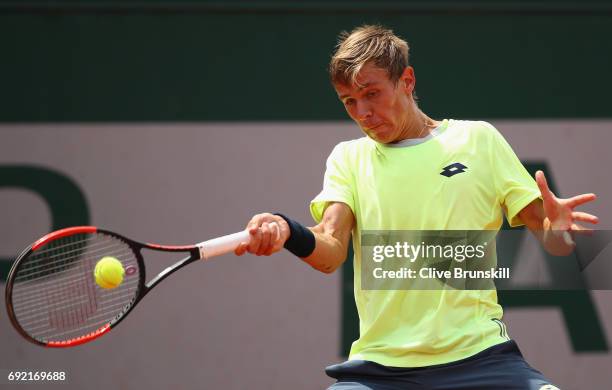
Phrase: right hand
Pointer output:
(268, 233)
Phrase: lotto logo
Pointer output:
(453, 169)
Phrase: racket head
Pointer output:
(52, 297)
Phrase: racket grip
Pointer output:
(222, 245)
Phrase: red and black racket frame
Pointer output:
(143, 286)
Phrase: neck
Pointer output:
(416, 125)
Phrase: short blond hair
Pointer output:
(364, 44)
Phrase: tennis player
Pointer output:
(412, 172)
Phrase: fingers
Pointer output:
(281, 234)
(241, 249)
(569, 240)
(266, 235)
(584, 217)
(275, 240)
(547, 195)
(543, 186)
(581, 229)
(255, 240)
(580, 199)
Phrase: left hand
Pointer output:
(559, 213)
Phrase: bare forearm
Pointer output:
(332, 237)
(329, 253)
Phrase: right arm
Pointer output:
(332, 238)
(332, 235)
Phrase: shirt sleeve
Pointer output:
(337, 183)
(514, 186)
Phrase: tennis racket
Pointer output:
(53, 299)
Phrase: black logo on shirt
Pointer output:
(453, 169)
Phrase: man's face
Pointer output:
(380, 107)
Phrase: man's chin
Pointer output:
(381, 138)
(378, 135)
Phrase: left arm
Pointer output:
(552, 220)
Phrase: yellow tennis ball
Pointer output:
(109, 272)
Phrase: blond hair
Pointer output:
(364, 44)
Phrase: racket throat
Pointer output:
(170, 270)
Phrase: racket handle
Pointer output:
(225, 244)
(222, 245)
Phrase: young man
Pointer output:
(393, 179)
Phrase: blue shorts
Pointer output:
(500, 367)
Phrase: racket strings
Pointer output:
(55, 296)
(39, 328)
(35, 306)
(56, 262)
(53, 271)
(61, 276)
(72, 240)
(53, 254)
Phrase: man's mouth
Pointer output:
(373, 127)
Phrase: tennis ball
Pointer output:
(109, 272)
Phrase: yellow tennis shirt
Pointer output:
(400, 187)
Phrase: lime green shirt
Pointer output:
(399, 187)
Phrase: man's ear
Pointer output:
(407, 80)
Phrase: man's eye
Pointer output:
(372, 94)
(349, 102)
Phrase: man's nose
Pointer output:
(362, 111)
